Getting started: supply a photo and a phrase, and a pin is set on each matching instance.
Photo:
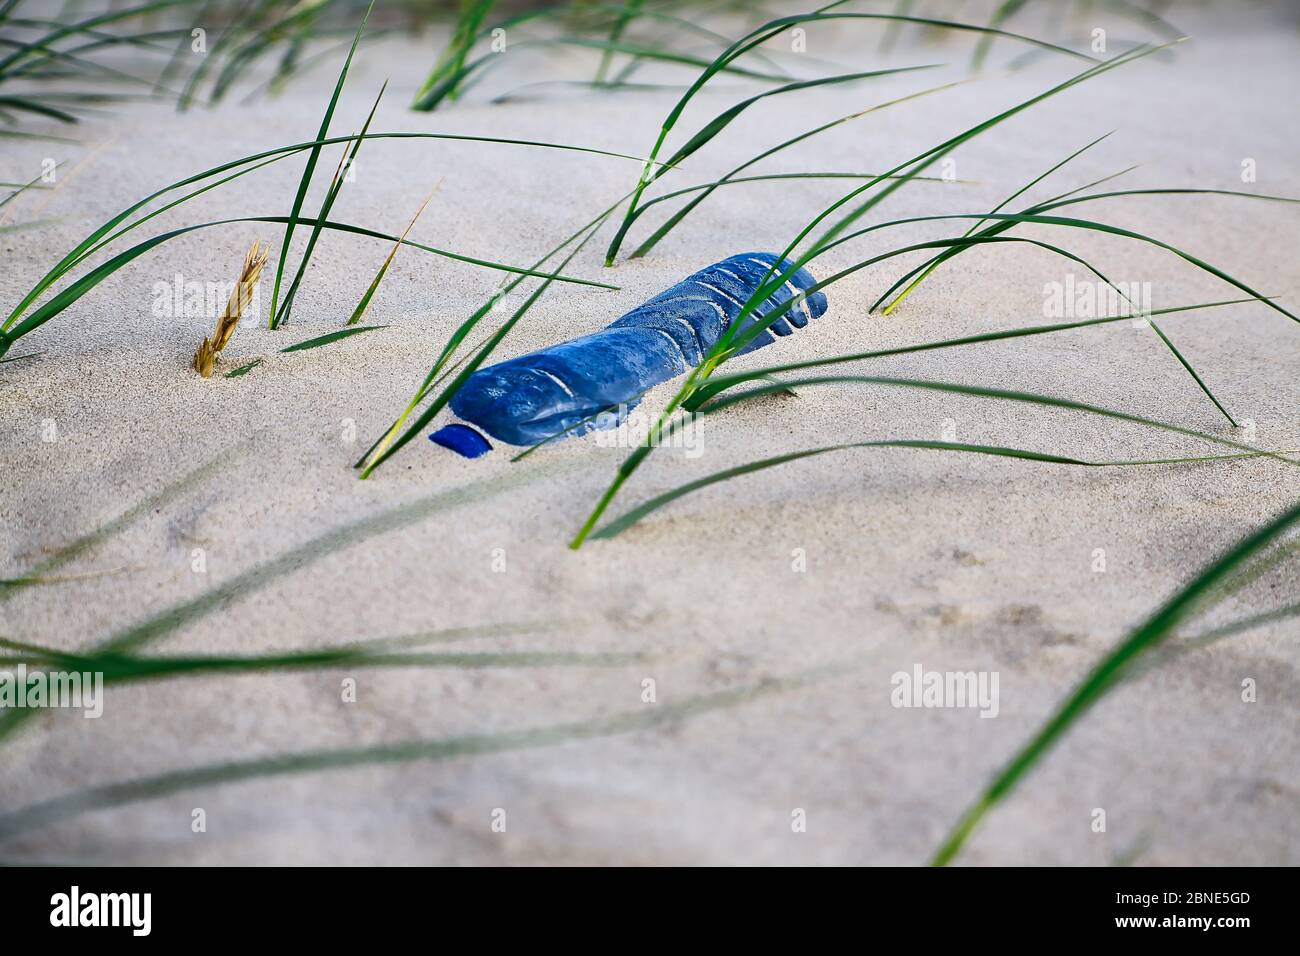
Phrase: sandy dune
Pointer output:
(772, 684)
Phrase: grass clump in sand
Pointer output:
(696, 387)
(400, 432)
(754, 38)
(26, 316)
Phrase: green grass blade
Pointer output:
(452, 60)
(242, 22)
(724, 119)
(625, 521)
(243, 369)
(474, 71)
(733, 177)
(934, 262)
(20, 188)
(771, 29)
(364, 304)
(658, 54)
(990, 235)
(1130, 234)
(775, 177)
(733, 340)
(629, 13)
(287, 28)
(328, 337)
(125, 668)
(43, 45)
(340, 177)
(716, 384)
(383, 447)
(1193, 373)
(443, 397)
(305, 182)
(767, 288)
(100, 236)
(1070, 199)
(749, 335)
(28, 105)
(1005, 11)
(1002, 394)
(97, 275)
(1149, 635)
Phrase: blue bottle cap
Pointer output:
(461, 439)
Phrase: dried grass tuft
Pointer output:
(205, 359)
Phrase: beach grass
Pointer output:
(1204, 589)
(706, 389)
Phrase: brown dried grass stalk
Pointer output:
(205, 359)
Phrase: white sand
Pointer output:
(951, 561)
